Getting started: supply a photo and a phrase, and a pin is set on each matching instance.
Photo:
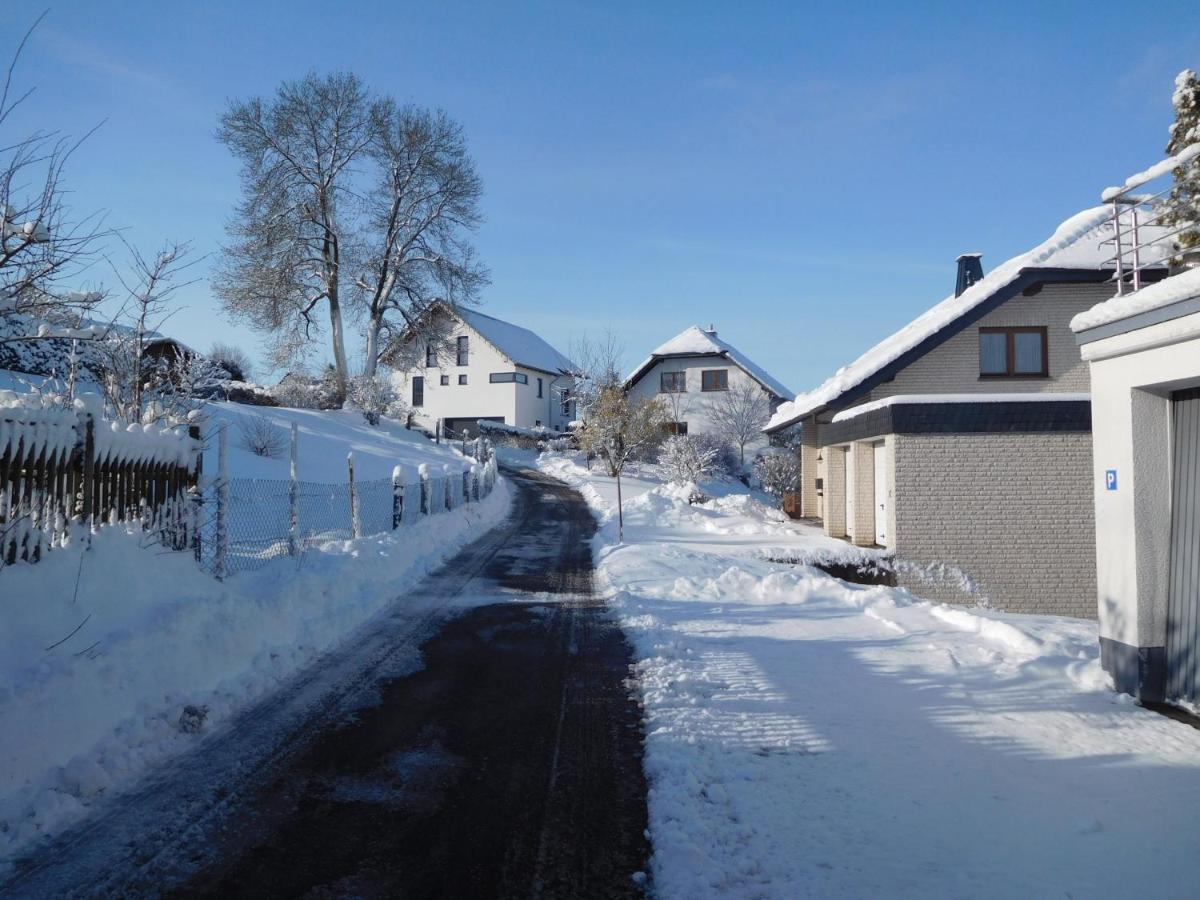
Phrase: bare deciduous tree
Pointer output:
(619, 428)
(43, 243)
(739, 414)
(140, 389)
(424, 202)
(293, 231)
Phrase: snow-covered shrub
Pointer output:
(262, 437)
(778, 471)
(374, 395)
(233, 360)
(685, 459)
(249, 394)
(726, 456)
(559, 445)
(514, 436)
(303, 391)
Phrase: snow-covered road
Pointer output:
(811, 738)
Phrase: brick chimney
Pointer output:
(970, 270)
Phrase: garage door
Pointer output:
(1183, 602)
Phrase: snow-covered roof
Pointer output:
(1083, 241)
(1176, 289)
(902, 399)
(695, 341)
(519, 344)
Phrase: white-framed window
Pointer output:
(463, 351)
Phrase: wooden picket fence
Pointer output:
(68, 469)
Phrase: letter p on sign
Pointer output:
(1110, 479)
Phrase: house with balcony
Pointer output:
(694, 373)
(1142, 347)
(456, 366)
(962, 443)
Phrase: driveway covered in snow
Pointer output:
(509, 764)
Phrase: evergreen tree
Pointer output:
(1184, 203)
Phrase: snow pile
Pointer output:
(695, 341)
(102, 652)
(806, 737)
(1078, 243)
(1176, 289)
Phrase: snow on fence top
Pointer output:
(1158, 170)
(1081, 242)
(42, 430)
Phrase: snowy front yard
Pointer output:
(808, 737)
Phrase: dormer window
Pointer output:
(1013, 352)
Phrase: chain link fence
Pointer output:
(244, 523)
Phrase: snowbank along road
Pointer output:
(509, 765)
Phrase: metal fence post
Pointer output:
(423, 471)
(355, 526)
(196, 494)
(466, 486)
(447, 481)
(294, 494)
(397, 498)
(222, 537)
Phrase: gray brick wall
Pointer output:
(1012, 511)
(954, 366)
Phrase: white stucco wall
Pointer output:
(1132, 376)
(693, 405)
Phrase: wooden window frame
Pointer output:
(662, 382)
(675, 429)
(713, 390)
(1010, 350)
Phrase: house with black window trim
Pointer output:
(456, 366)
(962, 443)
(695, 371)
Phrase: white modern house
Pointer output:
(1143, 349)
(458, 366)
(693, 372)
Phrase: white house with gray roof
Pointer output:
(962, 443)
(458, 366)
(693, 371)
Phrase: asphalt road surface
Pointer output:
(509, 766)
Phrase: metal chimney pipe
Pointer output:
(970, 270)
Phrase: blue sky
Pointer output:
(802, 178)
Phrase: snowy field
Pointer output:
(101, 651)
(811, 738)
